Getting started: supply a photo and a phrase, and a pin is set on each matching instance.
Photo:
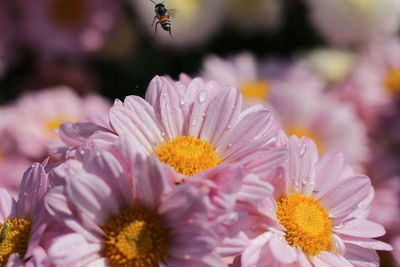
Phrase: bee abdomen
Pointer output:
(166, 25)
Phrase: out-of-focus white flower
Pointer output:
(193, 23)
(355, 22)
(254, 14)
(330, 63)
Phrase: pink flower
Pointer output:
(352, 22)
(315, 216)
(66, 27)
(190, 125)
(297, 97)
(33, 119)
(123, 211)
(374, 82)
(24, 222)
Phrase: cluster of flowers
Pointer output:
(190, 176)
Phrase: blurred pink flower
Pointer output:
(355, 22)
(314, 217)
(34, 118)
(28, 128)
(374, 82)
(107, 199)
(386, 204)
(304, 110)
(24, 222)
(66, 27)
(297, 97)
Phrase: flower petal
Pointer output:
(346, 195)
(361, 257)
(360, 228)
(6, 204)
(221, 115)
(327, 259)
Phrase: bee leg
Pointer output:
(170, 33)
(155, 28)
(154, 20)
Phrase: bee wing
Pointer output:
(172, 12)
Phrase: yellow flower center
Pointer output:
(55, 123)
(68, 13)
(392, 81)
(14, 236)
(136, 237)
(301, 131)
(255, 90)
(306, 222)
(188, 155)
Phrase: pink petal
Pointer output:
(73, 250)
(360, 228)
(253, 189)
(105, 165)
(329, 169)
(300, 168)
(327, 259)
(197, 111)
(222, 113)
(170, 113)
(6, 204)
(132, 123)
(192, 241)
(34, 186)
(228, 177)
(92, 197)
(361, 257)
(258, 253)
(266, 162)
(153, 90)
(180, 204)
(151, 184)
(367, 243)
(248, 135)
(14, 261)
(76, 134)
(346, 195)
(282, 250)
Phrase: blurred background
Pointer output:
(330, 70)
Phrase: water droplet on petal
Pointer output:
(202, 96)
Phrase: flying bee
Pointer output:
(163, 15)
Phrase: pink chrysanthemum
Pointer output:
(66, 27)
(33, 119)
(23, 222)
(190, 125)
(315, 217)
(374, 82)
(124, 212)
(297, 97)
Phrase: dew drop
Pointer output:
(202, 96)
(182, 102)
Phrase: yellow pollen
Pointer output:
(14, 236)
(136, 237)
(55, 123)
(188, 155)
(392, 80)
(300, 131)
(258, 90)
(68, 13)
(306, 222)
